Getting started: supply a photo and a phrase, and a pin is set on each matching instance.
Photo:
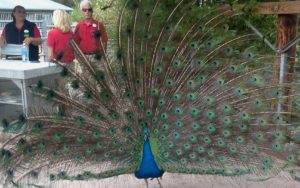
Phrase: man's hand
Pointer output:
(27, 41)
(33, 40)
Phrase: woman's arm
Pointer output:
(50, 53)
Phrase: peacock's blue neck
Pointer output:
(148, 167)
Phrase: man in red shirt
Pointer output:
(91, 36)
(87, 29)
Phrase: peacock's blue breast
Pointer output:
(148, 167)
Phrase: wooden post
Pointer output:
(287, 26)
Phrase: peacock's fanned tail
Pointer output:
(203, 89)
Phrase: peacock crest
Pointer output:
(179, 91)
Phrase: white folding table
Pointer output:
(15, 79)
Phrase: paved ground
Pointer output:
(182, 181)
(283, 180)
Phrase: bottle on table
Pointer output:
(24, 53)
(24, 49)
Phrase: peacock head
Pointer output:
(146, 134)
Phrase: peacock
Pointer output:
(180, 90)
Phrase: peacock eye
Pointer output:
(52, 177)
(34, 174)
(119, 55)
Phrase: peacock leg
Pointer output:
(146, 181)
(159, 183)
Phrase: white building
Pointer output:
(37, 11)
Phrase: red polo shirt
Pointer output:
(59, 41)
(84, 36)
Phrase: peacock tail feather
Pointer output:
(202, 88)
